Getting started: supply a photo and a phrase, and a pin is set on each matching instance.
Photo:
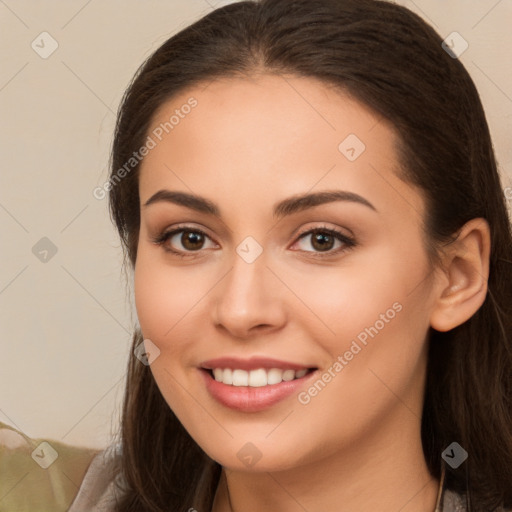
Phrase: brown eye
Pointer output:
(322, 241)
(183, 241)
(192, 240)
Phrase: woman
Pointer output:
(307, 193)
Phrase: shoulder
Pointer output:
(455, 502)
(98, 490)
(450, 500)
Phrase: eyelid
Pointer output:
(181, 227)
(323, 226)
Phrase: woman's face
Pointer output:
(253, 161)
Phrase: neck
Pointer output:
(387, 473)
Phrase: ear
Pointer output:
(462, 282)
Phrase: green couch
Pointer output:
(38, 475)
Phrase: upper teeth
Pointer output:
(256, 378)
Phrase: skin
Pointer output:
(248, 144)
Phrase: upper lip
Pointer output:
(252, 363)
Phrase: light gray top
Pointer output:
(98, 491)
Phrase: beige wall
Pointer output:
(65, 323)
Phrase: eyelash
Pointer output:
(348, 242)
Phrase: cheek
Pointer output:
(348, 299)
(377, 316)
(164, 295)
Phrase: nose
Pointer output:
(249, 300)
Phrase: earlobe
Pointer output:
(463, 287)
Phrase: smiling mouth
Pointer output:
(256, 378)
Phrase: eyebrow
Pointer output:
(285, 207)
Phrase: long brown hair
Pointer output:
(388, 58)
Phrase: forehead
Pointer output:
(271, 135)
(298, 108)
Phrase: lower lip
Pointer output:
(249, 399)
